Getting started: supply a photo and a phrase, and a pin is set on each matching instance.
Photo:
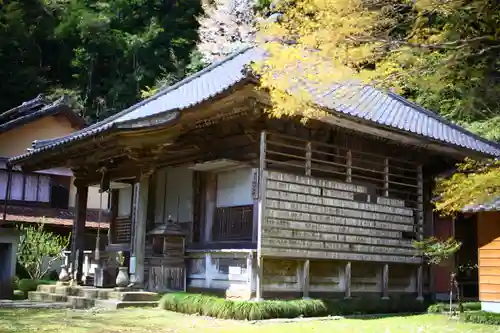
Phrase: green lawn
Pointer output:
(157, 321)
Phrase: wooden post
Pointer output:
(420, 283)
(210, 205)
(250, 272)
(208, 270)
(258, 280)
(78, 231)
(141, 190)
(86, 268)
(349, 167)
(305, 280)
(347, 277)
(308, 158)
(420, 203)
(261, 217)
(386, 177)
(420, 219)
(385, 281)
(7, 192)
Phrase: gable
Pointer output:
(15, 141)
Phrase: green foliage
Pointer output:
(36, 246)
(249, 310)
(444, 307)
(443, 55)
(26, 285)
(482, 317)
(100, 52)
(437, 251)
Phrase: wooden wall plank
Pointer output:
(488, 234)
(316, 218)
(489, 297)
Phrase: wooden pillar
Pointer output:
(139, 225)
(258, 280)
(78, 230)
(385, 281)
(420, 219)
(261, 217)
(347, 277)
(210, 205)
(349, 166)
(386, 177)
(250, 273)
(305, 280)
(308, 158)
(420, 283)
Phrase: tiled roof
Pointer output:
(490, 206)
(33, 109)
(63, 217)
(361, 102)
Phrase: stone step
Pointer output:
(78, 302)
(134, 296)
(67, 290)
(115, 304)
(46, 297)
(94, 293)
(46, 288)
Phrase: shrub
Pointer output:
(248, 310)
(26, 285)
(445, 307)
(482, 317)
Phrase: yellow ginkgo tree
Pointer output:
(397, 44)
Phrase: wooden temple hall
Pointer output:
(209, 194)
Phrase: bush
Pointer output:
(247, 310)
(26, 285)
(482, 317)
(445, 307)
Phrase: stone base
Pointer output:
(86, 297)
(491, 307)
(239, 293)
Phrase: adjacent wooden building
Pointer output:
(209, 194)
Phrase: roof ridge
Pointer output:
(160, 93)
(440, 118)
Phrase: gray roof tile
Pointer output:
(366, 102)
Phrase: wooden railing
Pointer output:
(233, 223)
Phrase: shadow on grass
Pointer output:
(60, 320)
(385, 315)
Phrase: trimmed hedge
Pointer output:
(482, 317)
(26, 285)
(445, 307)
(248, 310)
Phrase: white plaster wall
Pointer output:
(93, 197)
(490, 307)
(125, 201)
(174, 194)
(234, 188)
